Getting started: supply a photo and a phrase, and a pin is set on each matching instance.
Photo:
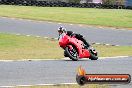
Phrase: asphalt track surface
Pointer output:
(49, 29)
(60, 71)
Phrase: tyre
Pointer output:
(93, 55)
(72, 53)
(65, 54)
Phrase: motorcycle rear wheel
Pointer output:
(93, 56)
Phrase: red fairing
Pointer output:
(65, 40)
(85, 54)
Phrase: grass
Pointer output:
(89, 16)
(17, 47)
(69, 86)
(110, 51)
(14, 47)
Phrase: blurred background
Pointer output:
(109, 4)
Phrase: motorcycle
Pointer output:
(75, 49)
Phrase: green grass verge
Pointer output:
(14, 47)
(88, 16)
(17, 47)
(70, 86)
(110, 51)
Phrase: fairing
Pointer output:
(65, 40)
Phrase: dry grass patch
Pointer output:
(14, 47)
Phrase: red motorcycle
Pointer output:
(75, 49)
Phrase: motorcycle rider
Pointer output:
(71, 33)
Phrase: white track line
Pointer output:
(37, 85)
(56, 38)
(97, 43)
(18, 34)
(107, 44)
(38, 36)
(59, 23)
(7, 86)
(114, 57)
(59, 59)
(29, 60)
(46, 37)
(55, 84)
(117, 45)
(24, 85)
(71, 24)
(28, 35)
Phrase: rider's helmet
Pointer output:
(61, 30)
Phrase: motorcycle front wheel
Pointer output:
(72, 53)
(65, 54)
